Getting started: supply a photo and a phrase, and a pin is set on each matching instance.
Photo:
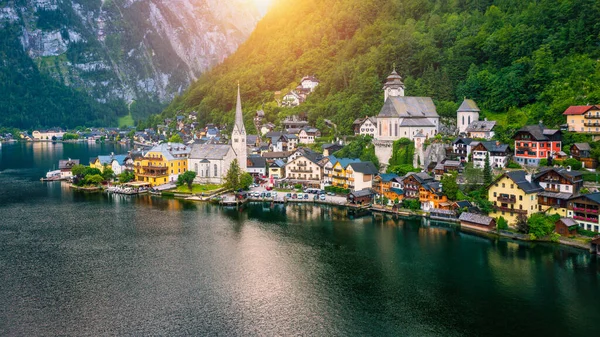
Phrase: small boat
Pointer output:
(52, 176)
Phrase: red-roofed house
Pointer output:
(583, 118)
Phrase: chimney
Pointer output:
(485, 119)
(528, 177)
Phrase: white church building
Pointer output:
(211, 161)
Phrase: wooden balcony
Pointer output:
(507, 209)
(507, 199)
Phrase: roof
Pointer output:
(463, 204)
(344, 162)
(366, 167)
(284, 154)
(239, 117)
(257, 162)
(278, 163)
(595, 197)
(309, 78)
(538, 131)
(468, 105)
(417, 122)
(451, 163)
(385, 177)
(120, 159)
(481, 126)
(169, 150)
(465, 141)
(394, 80)
(579, 109)
(408, 107)
(492, 146)
(67, 164)
(565, 173)
(332, 145)
(475, 218)
(583, 146)
(362, 193)
(209, 151)
(557, 195)
(569, 222)
(519, 177)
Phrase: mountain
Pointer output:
(531, 59)
(76, 62)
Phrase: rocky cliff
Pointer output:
(126, 50)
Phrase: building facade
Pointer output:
(534, 143)
(467, 113)
(512, 194)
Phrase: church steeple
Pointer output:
(238, 136)
(393, 85)
(239, 118)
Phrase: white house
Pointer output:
(47, 135)
(467, 113)
(368, 127)
(308, 135)
(361, 175)
(291, 99)
(309, 83)
(120, 163)
(257, 166)
(499, 154)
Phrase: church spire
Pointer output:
(239, 118)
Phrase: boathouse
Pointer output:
(566, 227)
(477, 221)
(362, 197)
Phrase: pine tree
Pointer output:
(487, 170)
(232, 179)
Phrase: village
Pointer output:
(538, 173)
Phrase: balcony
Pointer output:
(152, 174)
(585, 210)
(153, 158)
(549, 189)
(592, 124)
(153, 167)
(588, 116)
(507, 199)
(583, 218)
(301, 170)
(506, 209)
(301, 164)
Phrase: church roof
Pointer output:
(408, 107)
(406, 122)
(394, 80)
(468, 105)
(209, 151)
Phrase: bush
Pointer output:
(514, 165)
(585, 232)
(502, 224)
(412, 204)
(573, 163)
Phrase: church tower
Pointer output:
(467, 113)
(393, 86)
(238, 136)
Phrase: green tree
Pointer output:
(126, 176)
(232, 178)
(246, 180)
(412, 204)
(78, 170)
(522, 225)
(187, 178)
(487, 170)
(176, 138)
(450, 185)
(94, 179)
(501, 224)
(541, 225)
(108, 174)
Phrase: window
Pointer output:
(520, 198)
(196, 167)
(512, 186)
(215, 166)
(503, 185)
(494, 194)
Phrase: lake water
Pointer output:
(81, 264)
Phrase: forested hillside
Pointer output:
(529, 58)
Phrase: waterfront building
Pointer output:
(512, 194)
(210, 162)
(566, 226)
(559, 186)
(359, 175)
(498, 153)
(305, 169)
(477, 221)
(361, 197)
(467, 113)
(383, 185)
(277, 169)
(257, 166)
(412, 183)
(402, 117)
(534, 143)
(66, 167)
(585, 210)
(52, 134)
(162, 164)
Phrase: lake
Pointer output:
(82, 264)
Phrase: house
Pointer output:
(295, 122)
(305, 169)
(365, 126)
(66, 167)
(309, 83)
(292, 99)
(252, 140)
(481, 129)
(266, 128)
(281, 142)
(498, 153)
(423, 187)
(461, 149)
(566, 227)
(360, 175)
(361, 197)
(47, 134)
(412, 184)
(121, 163)
(277, 169)
(446, 166)
(330, 149)
(583, 119)
(467, 113)
(585, 210)
(303, 151)
(477, 221)
(335, 170)
(583, 153)
(513, 193)
(308, 135)
(559, 186)
(101, 162)
(257, 166)
(383, 186)
(534, 143)
(260, 115)
(162, 164)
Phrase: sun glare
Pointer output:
(262, 5)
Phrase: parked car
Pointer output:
(268, 194)
(321, 192)
(306, 196)
(289, 195)
(323, 197)
(330, 193)
(300, 196)
(294, 196)
(262, 195)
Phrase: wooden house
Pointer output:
(566, 226)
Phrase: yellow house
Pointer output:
(512, 194)
(162, 164)
(339, 178)
(583, 119)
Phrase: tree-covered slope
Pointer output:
(532, 58)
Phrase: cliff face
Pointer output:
(128, 49)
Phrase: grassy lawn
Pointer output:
(126, 121)
(198, 188)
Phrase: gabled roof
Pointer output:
(579, 109)
(278, 163)
(386, 177)
(569, 175)
(475, 218)
(168, 150)
(344, 162)
(365, 167)
(481, 126)
(538, 131)
(257, 162)
(583, 146)
(209, 151)
(362, 193)
(67, 164)
(492, 146)
(595, 197)
(468, 105)
(569, 222)
(465, 141)
(520, 178)
(271, 155)
(408, 107)
(120, 159)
